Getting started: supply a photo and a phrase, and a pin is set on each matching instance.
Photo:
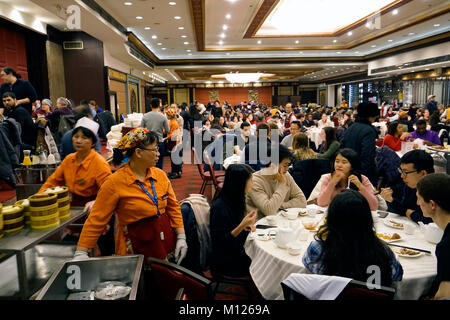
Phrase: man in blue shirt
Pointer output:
(66, 147)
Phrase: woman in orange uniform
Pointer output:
(148, 213)
(84, 171)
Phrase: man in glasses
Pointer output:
(401, 198)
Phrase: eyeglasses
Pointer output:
(402, 172)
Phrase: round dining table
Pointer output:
(271, 264)
(313, 134)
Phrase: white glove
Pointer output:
(88, 206)
(180, 248)
(80, 255)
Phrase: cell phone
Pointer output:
(382, 214)
(264, 226)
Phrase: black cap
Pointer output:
(367, 110)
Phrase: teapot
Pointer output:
(286, 235)
(432, 232)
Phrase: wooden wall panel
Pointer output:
(13, 51)
(181, 95)
(120, 88)
(234, 96)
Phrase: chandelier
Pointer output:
(242, 77)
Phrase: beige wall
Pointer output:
(56, 79)
(180, 95)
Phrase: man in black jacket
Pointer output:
(402, 198)
(22, 116)
(25, 93)
(361, 137)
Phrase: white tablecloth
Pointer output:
(383, 128)
(313, 134)
(271, 264)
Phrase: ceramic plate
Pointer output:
(390, 235)
(397, 252)
(393, 223)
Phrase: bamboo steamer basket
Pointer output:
(1, 221)
(64, 211)
(13, 219)
(61, 192)
(49, 222)
(40, 200)
(26, 209)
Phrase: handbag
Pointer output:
(152, 236)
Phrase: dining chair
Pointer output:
(355, 290)
(217, 181)
(205, 175)
(168, 278)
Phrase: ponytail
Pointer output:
(9, 70)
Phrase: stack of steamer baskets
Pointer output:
(26, 210)
(44, 211)
(63, 201)
(13, 219)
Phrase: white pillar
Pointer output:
(330, 95)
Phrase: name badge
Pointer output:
(165, 197)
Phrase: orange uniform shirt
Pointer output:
(84, 179)
(121, 193)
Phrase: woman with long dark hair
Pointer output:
(346, 173)
(230, 223)
(330, 143)
(346, 245)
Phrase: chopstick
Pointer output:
(421, 250)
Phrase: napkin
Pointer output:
(315, 286)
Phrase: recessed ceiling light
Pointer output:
(367, 25)
(334, 40)
(222, 35)
(338, 52)
(171, 3)
(301, 52)
(184, 36)
(411, 33)
(427, 69)
(180, 28)
(349, 33)
(227, 53)
(395, 12)
(185, 42)
(143, 72)
(188, 50)
(147, 28)
(225, 27)
(154, 36)
(221, 42)
(159, 44)
(139, 18)
(356, 51)
(390, 40)
(373, 46)
(228, 16)
(177, 17)
(436, 25)
(163, 48)
(259, 41)
(128, 3)
(296, 41)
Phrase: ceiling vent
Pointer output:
(73, 45)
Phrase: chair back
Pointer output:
(307, 173)
(169, 278)
(198, 163)
(211, 168)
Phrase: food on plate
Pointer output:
(396, 224)
(388, 237)
(408, 252)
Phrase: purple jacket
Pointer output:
(429, 135)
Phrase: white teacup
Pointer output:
(304, 234)
(312, 212)
(271, 220)
(294, 248)
(410, 228)
(292, 214)
(294, 225)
